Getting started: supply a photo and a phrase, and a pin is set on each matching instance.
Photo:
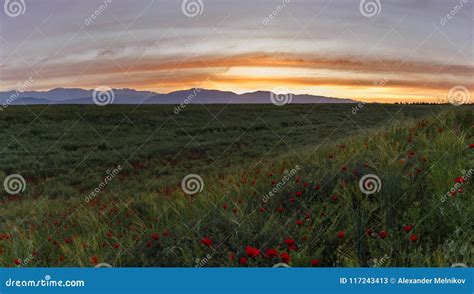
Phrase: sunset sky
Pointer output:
(405, 52)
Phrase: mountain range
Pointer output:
(131, 96)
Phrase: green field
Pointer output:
(103, 185)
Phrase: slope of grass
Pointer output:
(316, 216)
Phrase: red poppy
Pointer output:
(460, 180)
(252, 251)
(314, 262)
(292, 247)
(413, 238)
(231, 256)
(305, 184)
(343, 168)
(234, 210)
(166, 233)
(341, 234)
(471, 145)
(292, 200)
(206, 241)
(368, 232)
(61, 258)
(334, 198)
(243, 260)
(274, 182)
(298, 194)
(109, 234)
(116, 245)
(225, 206)
(261, 209)
(299, 222)
(285, 257)
(383, 234)
(154, 236)
(280, 209)
(407, 228)
(94, 260)
(17, 261)
(440, 130)
(289, 241)
(149, 244)
(271, 253)
(317, 187)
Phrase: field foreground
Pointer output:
(304, 188)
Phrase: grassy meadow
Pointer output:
(275, 185)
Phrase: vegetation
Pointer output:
(104, 185)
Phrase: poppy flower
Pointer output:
(440, 130)
(341, 234)
(61, 258)
(413, 238)
(17, 261)
(243, 260)
(94, 260)
(285, 257)
(334, 198)
(460, 180)
(154, 236)
(116, 245)
(109, 234)
(261, 209)
(369, 232)
(252, 251)
(271, 253)
(166, 233)
(292, 247)
(289, 241)
(314, 262)
(234, 210)
(280, 209)
(292, 200)
(305, 184)
(299, 222)
(317, 187)
(383, 234)
(298, 194)
(471, 146)
(407, 228)
(274, 182)
(206, 241)
(343, 168)
(149, 244)
(231, 256)
(225, 206)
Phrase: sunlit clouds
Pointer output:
(315, 47)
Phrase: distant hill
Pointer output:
(131, 96)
